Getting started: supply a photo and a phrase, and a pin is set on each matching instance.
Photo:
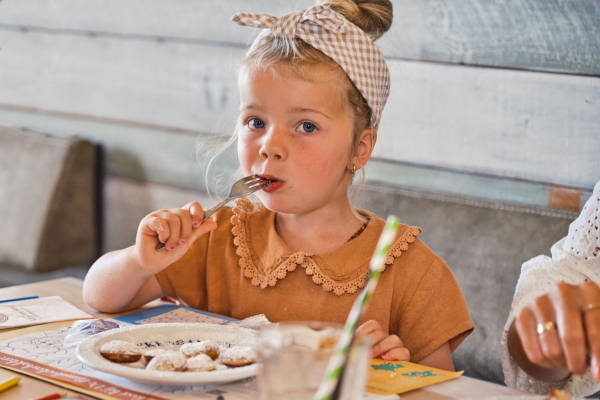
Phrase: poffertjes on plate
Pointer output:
(186, 358)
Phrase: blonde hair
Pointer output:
(374, 17)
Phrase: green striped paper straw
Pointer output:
(336, 362)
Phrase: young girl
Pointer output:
(312, 89)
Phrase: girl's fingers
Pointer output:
(376, 337)
(366, 329)
(196, 211)
(177, 226)
(206, 226)
(397, 354)
(387, 343)
(158, 227)
(591, 318)
(567, 300)
(526, 324)
(549, 340)
(174, 228)
(185, 220)
(374, 331)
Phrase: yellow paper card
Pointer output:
(393, 377)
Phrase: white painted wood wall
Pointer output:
(503, 91)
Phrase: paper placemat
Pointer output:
(173, 313)
(38, 311)
(393, 377)
(43, 355)
(71, 380)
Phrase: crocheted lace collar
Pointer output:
(264, 258)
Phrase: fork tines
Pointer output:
(256, 182)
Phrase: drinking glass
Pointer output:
(294, 357)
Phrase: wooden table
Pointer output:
(70, 290)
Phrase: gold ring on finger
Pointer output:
(543, 327)
(591, 306)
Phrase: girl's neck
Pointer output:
(320, 231)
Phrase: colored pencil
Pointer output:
(19, 299)
(52, 396)
(8, 383)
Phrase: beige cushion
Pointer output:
(47, 200)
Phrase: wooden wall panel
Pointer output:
(548, 35)
(551, 35)
(191, 20)
(173, 84)
(527, 125)
(176, 158)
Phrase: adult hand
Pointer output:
(177, 228)
(562, 328)
(383, 345)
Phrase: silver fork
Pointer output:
(241, 188)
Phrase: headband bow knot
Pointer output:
(326, 18)
(315, 18)
(287, 25)
(341, 40)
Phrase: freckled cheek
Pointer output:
(322, 167)
(245, 153)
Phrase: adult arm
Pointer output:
(539, 277)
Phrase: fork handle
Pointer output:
(207, 214)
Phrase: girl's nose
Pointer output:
(274, 144)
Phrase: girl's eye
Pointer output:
(256, 123)
(308, 127)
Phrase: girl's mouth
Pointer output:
(273, 183)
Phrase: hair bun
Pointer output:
(374, 17)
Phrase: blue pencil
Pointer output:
(20, 298)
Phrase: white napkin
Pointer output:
(254, 322)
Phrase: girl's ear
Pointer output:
(364, 146)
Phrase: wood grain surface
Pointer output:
(70, 289)
(551, 35)
(155, 82)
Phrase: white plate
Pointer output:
(169, 336)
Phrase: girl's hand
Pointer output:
(388, 347)
(177, 228)
(562, 328)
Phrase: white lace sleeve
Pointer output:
(583, 240)
(574, 259)
(538, 276)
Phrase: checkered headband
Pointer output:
(341, 40)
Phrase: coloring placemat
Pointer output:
(42, 354)
(173, 313)
(393, 377)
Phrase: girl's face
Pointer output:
(298, 132)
